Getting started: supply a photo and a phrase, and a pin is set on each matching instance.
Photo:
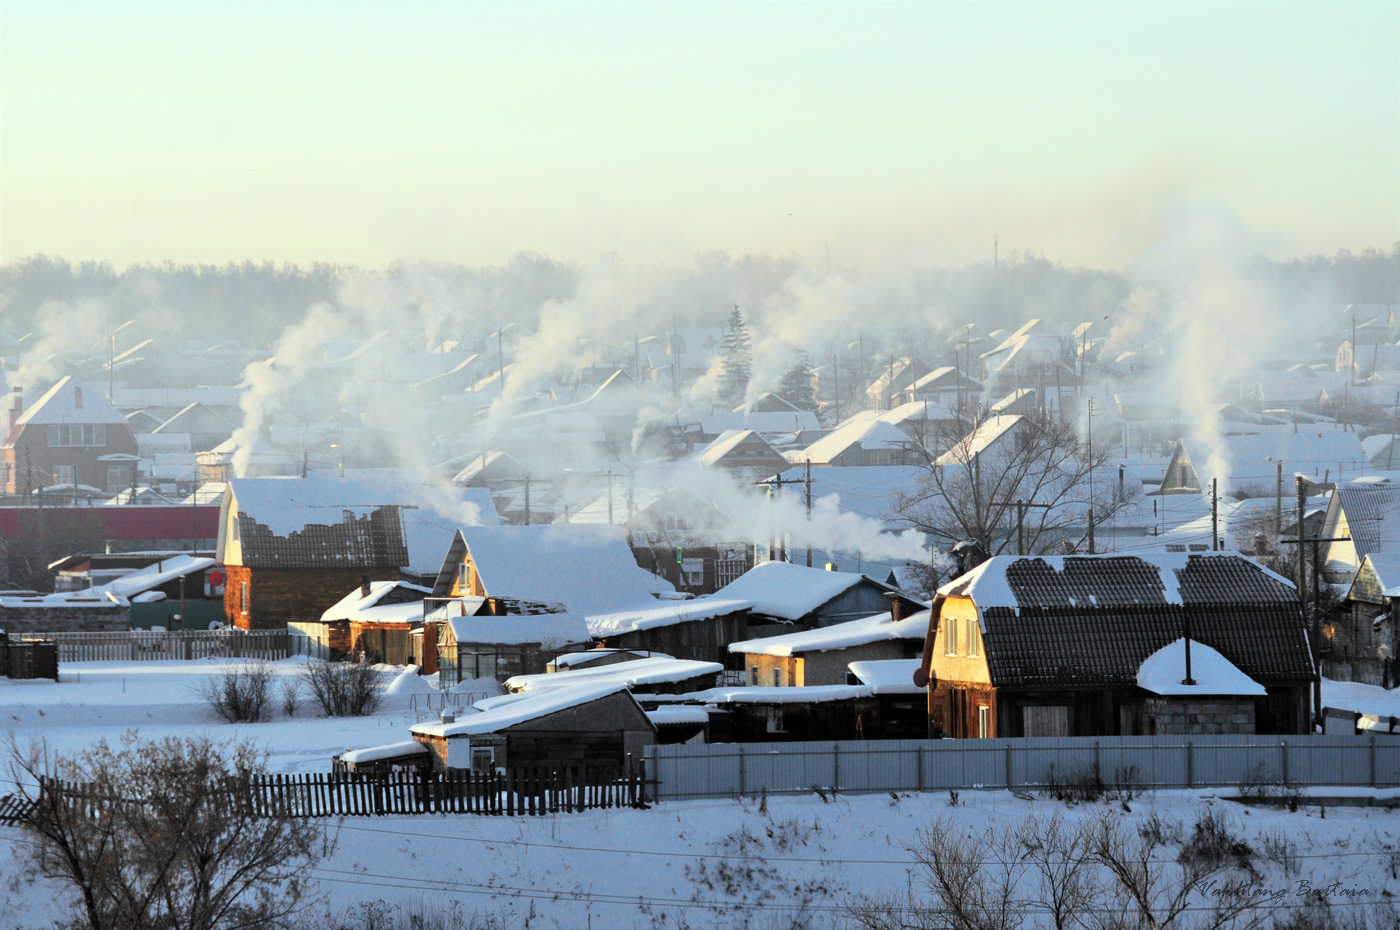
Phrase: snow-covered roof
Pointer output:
(1115, 580)
(651, 671)
(390, 751)
(287, 505)
(731, 439)
(867, 434)
(1386, 567)
(650, 615)
(788, 591)
(71, 401)
(511, 709)
(675, 714)
(879, 628)
(1242, 458)
(888, 676)
(819, 694)
(588, 567)
(356, 606)
(551, 631)
(1164, 671)
(987, 433)
(570, 659)
(155, 575)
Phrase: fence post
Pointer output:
(1283, 753)
(1371, 749)
(1190, 766)
(1008, 766)
(742, 792)
(920, 758)
(836, 761)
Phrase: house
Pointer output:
(1357, 643)
(821, 656)
(499, 646)
(1247, 460)
(701, 628)
(864, 442)
(1363, 518)
(743, 452)
(292, 547)
(598, 726)
(792, 596)
(946, 386)
(882, 394)
(1042, 646)
(901, 706)
(993, 439)
(203, 428)
(766, 715)
(1035, 356)
(71, 437)
(376, 620)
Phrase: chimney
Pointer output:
(364, 586)
(896, 607)
(17, 407)
(449, 715)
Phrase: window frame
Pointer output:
(950, 637)
(974, 639)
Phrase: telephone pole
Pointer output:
(807, 480)
(1214, 515)
(1315, 628)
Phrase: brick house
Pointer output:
(1067, 646)
(293, 547)
(71, 436)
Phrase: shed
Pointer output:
(599, 726)
(821, 656)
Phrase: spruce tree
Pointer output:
(738, 358)
(796, 387)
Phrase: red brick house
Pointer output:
(71, 437)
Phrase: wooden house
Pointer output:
(794, 597)
(701, 628)
(1042, 646)
(599, 726)
(864, 442)
(499, 646)
(761, 715)
(743, 452)
(821, 656)
(946, 386)
(71, 438)
(901, 708)
(647, 675)
(1358, 642)
(1362, 519)
(894, 378)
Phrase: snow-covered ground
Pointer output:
(792, 861)
(1366, 699)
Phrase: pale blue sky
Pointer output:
(468, 132)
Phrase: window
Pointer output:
(777, 677)
(950, 638)
(984, 722)
(774, 723)
(483, 759)
(77, 434)
(65, 475)
(243, 598)
(974, 638)
(753, 675)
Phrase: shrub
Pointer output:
(1214, 846)
(1261, 787)
(291, 696)
(344, 689)
(238, 693)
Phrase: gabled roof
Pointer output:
(749, 443)
(195, 418)
(987, 434)
(71, 401)
(511, 709)
(1372, 515)
(387, 600)
(650, 670)
(867, 434)
(664, 613)
(587, 567)
(791, 592)
(944, 376)
(768, 402)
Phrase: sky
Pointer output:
(373, 132)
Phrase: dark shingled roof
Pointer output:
(1093, 621)
(372, 541)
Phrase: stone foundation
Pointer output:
(1168, 716)
(14, 620)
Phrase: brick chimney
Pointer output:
(364, 586)
(896, 607)
(16, 406)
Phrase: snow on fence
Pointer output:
(519, 790)
(727, 770)
(148, 646)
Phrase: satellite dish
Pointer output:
(921, 677)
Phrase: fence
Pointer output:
(732, 770)
(145, 646)
(519, 790)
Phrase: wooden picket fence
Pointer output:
(147, 646)
(519, 790)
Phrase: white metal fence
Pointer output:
(146, 646)
(737, 769)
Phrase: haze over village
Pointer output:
(526, 466)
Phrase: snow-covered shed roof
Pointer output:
(570, 659)
(405, 749)
(1164, 672)
(551, 631)
(386, 601)
(588, 567)
(818, 694)
(511, 709)
(879, 628)
(756, 450)
(888, 676)
(655, 670)
(647, 616)
(790, 592)
(156, 574)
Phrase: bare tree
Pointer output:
(159, 834)
(344, 689)
(974, 490)
(238, 693)
(1066, 886)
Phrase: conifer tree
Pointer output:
(796, 386)
(738, 359)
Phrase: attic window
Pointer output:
(974, 636)
(950, 638)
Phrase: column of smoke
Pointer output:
(1200, 285)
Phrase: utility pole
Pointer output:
(1021, 508)
(773, 484)
(1278, 500)
(527, 499)
(1315, 628)
(1214, 515)
(807, 480)
(1091, 529)
(861, 386)
(1390, 451)
(501, 356)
